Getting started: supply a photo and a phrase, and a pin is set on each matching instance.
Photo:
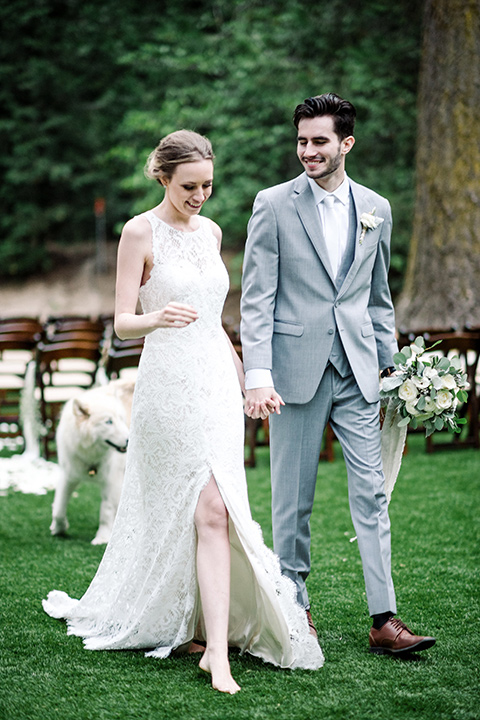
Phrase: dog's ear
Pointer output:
(81, 411)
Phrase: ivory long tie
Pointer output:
(331, 232)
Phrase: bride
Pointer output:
(186, 568)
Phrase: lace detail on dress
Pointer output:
(187, 424)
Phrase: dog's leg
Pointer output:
(63, 494)
(111, 475)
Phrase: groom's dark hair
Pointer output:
(342, 112)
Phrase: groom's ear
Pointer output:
(347, 144)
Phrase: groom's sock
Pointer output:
(381, 619)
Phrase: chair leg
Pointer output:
(251, 438)
(328, 452)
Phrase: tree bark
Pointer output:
(442, 282)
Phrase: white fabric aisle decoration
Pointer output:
(393, 445)
(28, 472)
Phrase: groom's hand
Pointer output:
(261, 402)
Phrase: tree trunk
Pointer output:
(442, 283)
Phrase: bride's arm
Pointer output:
(134, 264)
(238, 363)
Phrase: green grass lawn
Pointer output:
(47, 675)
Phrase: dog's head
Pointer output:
(102, 420)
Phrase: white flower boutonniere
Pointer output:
(369, 221)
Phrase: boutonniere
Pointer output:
(369, 221)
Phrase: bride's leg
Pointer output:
(213, 570)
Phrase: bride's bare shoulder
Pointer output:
(136, 240)
(137, 233)
(216, 230)
(137, 227)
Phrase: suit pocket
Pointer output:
(287, 328)
(367, 329)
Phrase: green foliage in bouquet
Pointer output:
(426, 390)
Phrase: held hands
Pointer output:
(175, 315)
(262, 402)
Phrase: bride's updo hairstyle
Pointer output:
(182, 146)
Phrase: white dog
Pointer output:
(92, 438)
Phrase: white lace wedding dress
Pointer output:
(187, 424)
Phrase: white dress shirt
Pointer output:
(335, 246)
(262, 377)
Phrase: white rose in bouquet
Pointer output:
(448, 382)
(421, 381)
(407, 391)
(430, 406)
(443, 400)
(428, 412)
(411, 409)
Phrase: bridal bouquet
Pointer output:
(425, 390)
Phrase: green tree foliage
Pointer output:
(89, 88)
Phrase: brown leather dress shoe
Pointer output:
(395, 638)
(313, 629)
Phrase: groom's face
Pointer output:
(319, 148)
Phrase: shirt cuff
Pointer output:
(258, 378)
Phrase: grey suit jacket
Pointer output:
(291, 308)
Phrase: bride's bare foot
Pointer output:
(219, 668)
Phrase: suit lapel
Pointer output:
(360, 202)
(307, 211)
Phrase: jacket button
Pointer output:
(330, 332)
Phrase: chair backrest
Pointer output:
(8, 323)
(62, 369)
(459, 340)
(16, 341)
(49, 355)
(65, 329)
(19, 333)
(120, 360)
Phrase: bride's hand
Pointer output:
(262, 402)
(175, 315)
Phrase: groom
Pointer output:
(317, 328)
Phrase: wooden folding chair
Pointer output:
(465, 344)
(64, 369)
(122, 358)
(18, 338)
